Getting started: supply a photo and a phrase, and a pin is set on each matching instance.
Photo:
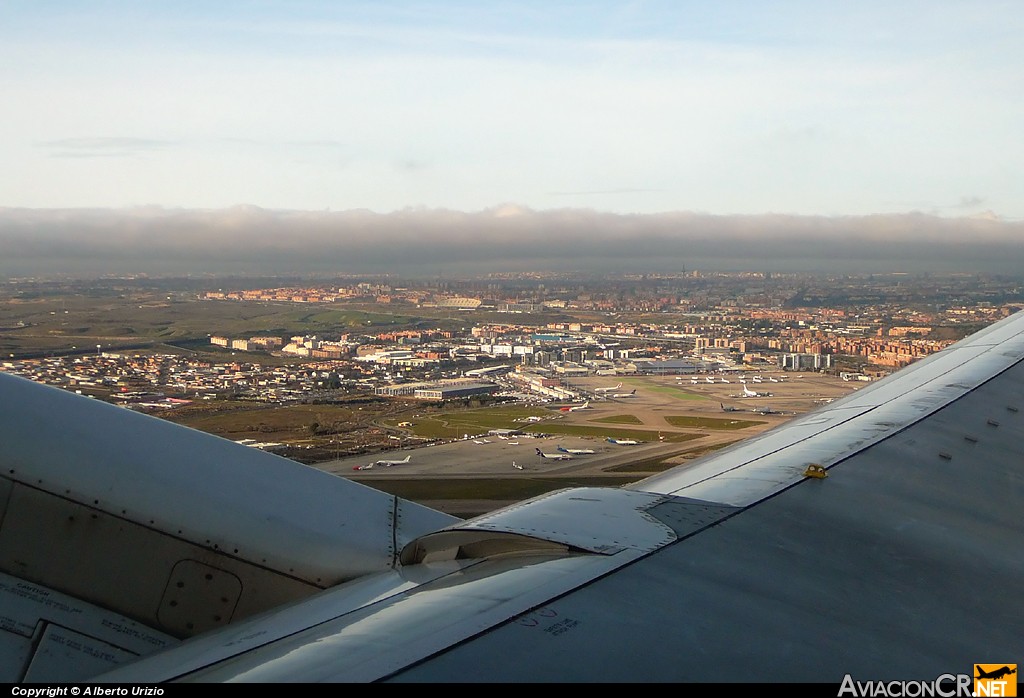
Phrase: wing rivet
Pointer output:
(815, 470)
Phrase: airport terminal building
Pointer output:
(673, 367)
(438, 390)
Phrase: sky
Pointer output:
(730, 108)
(274, 136)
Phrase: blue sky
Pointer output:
(808, 108)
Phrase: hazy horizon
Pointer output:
(248, 240)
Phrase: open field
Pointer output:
(619, 419)
(659, 464)
(238, 420)
(133, 318)
(711, 422)
(117, 313)
(455, 424)
(603, 433)
(468, 497)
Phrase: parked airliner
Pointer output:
(554, 456)
(576, 451)
(385, 462)
(584, 406)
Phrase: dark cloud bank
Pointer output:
(427, 242)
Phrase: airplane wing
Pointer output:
(116, 526)
(878, 537)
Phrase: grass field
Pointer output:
(234, 420)
(657, 465)
(619, 419)
(603, 433)
(507, 489)
(139, 317)
(711, 423)
(645, 467)
(455, 425)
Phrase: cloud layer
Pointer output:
(427, 242)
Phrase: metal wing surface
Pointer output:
(905, 562)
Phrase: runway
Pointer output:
(515, 457)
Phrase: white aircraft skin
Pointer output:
(576, 451)
(631, 393)
(584, 406)
(623, 442)
(236, 565)
(387, 463)
(608, 390)
(554, 456)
